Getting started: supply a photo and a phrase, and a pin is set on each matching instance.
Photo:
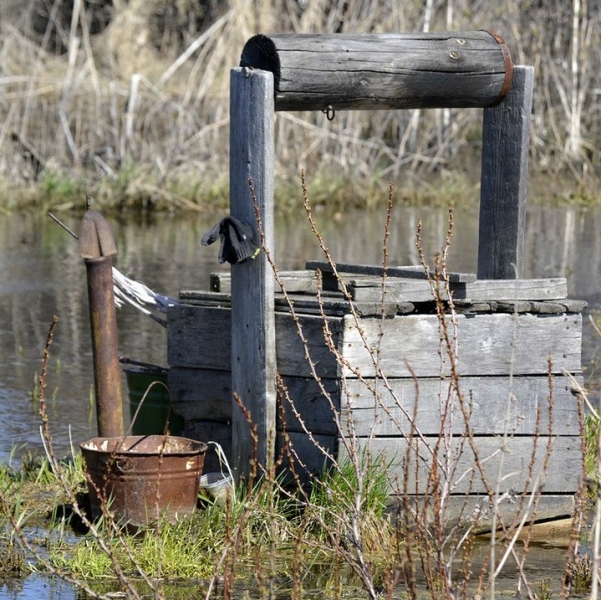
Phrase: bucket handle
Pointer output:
(138, 408)
(137, 363)
(223, 462)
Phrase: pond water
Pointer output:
(42, 275)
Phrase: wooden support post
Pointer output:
(505, 137)
(253, 319)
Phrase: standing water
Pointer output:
(42, 275)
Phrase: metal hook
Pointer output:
(329, 112)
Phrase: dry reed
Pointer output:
(138, 112)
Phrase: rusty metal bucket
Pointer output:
(142, 478)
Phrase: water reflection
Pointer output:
(41, 274)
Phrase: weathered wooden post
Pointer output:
(504, 180)
(253, 319)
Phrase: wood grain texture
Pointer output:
(503, 190)
(504, 290)
(396, 289)
(292, 282)
(376, 71)
(309, 405)
(509, 461)
(488, 344)
(462, 509)
(198, 394)
(407, 272)
(205, 394)
(200, 336)
(523, 406)
(308, 455)
(253, 350)
(494, 403)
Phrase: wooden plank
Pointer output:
(547, 308)
(401, 289)
(397, 290)
(574, 305)
(335, 305)
(503, 189)
(307, 455)
(519, 306)
(291, 349)
(503, 290)
(212, 431)
(369, 290)
(489, 344)
(375, 71)
(293, 281)
(198, 394)
(462, 509)
(204, 394)
(329, 303)
(410, 272)
(253, 322)
(309, 406)
(207, 298)
(519, 404)
(485, 343)
(468, 307)
(510, 462)
(200, 336)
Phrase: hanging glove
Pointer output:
(239, 241)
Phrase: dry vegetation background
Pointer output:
(128, 99)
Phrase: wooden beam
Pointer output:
(488, 344)
(505, 461)
(403, 406)
(505, 137)
(213, 327)
(383, 71)
(253, 325)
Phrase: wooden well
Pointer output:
(516, 338)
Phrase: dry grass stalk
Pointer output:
(120, 106)
(425, 547)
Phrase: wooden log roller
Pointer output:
(383, 71)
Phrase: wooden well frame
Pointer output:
(361, 72)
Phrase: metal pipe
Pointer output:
(97, 247)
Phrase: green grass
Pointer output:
(258, 523)
(185, 550)
(591, 436)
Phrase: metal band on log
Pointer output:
(470, 69)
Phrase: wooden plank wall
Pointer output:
(511, 383)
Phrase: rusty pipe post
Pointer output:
(97, 247)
